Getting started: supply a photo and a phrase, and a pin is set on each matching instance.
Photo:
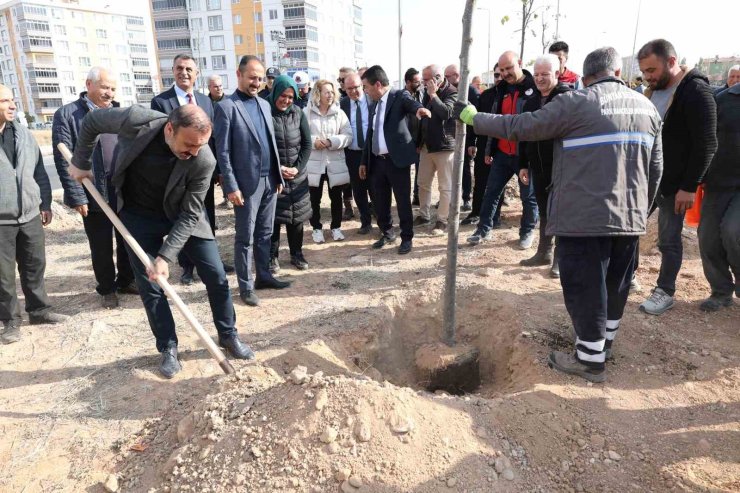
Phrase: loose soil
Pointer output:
(333, 402)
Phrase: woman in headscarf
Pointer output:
(293, 139)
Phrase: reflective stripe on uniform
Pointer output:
(641, 138)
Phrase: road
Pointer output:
(52, 172)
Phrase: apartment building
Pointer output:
(47, 48)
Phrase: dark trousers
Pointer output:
(100, 233)
(294, 232)
(209, 204)
(719, 241)
(595, 273)
(254, 223)
(360, 188)
(150, 232)
(670, 243)
(335, 195)
(347, 192)
(467, 177)
(480, 179)
(23, 244)
(541, 183)
(416, 176)
(503, 168)
(386, 178)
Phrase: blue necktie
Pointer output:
(377, 129)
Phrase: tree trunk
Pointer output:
(453, 224)
(525, 21)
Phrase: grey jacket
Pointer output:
(186, 189)
(608, 157)
(24, 190)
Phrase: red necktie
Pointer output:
(190, 98)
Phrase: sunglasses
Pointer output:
(340, 80)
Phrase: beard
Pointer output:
(664, 80)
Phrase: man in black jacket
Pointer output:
(101, 89)
(685, 101)
(436, 140)
(412, 80)
(719, 228)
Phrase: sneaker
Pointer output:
(715, 303)
(658, 302)
(635, 286)
(318, 236)
(420, 221)
(337, 235)
(467, 206)
(298, 261)
(11, 332)
(109, 300)
(471, 219)
(440, 228)
(47, 318)
(274, 265)
(526, 240)
(568, 363)
(478, 237)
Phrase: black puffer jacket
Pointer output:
(293, 139)
(539, 155)
(438, 132)
(724, 173)
(689, 134)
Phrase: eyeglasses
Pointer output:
(496, 76)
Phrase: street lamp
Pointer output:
(488, 68)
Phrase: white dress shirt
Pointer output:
(353, 120)
(182, 97)
(380, 118)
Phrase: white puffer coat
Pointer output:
(336, 127)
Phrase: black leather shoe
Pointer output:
(228, 268)
(471, 219)
(11, 332)
(415, 200)
(130, 288)
(299, 261)
(235, 347)
(109, 300)
(365, 230)
(271, 283)
(47, 318)
(384, 240)
(466, 207)
(249, 298)
(186, 279)
(405, 247)
(169, 366)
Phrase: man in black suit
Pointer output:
(183, 92)
(357, 108)
(388, 155)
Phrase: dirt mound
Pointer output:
(316, 433)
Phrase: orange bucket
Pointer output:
(693, 215)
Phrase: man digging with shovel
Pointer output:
(162, 173)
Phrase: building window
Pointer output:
(238, 19)
(60, 30)
(80, 31)
(167, 44)
(135, 21)
(213, 4)
(48, 88)
(38, 41)
(258, 17)
(84, 61)
(141, 48)
(234, 2)
(121, 49)
(295, 32)
(225, 81)
(312, 33)
(57, 14)
(238, 39)
(65, 60)
(34, 10)
(71, 90)
(81, 46)
(273, 14)
(126, 91)
(103, 48)
(259, 37)
(168, 4)
(36, 26)
(125, 77)
(218, 62)
(101, 33)
(62, 45)
(215, 23)
(140, 62)
(170, 24)
(217, 43)
(68, 76)
(49, 73)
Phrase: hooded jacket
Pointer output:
(334, 126)
(607, 157)
(689, 134)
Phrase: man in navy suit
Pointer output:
(388, 155)
(183, 92)
(357, 108)
(247, 154)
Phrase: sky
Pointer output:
(432, 29)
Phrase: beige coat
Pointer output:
(336, 127)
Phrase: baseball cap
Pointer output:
(272, 72)
(301, 79)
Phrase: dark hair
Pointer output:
(495, 66)
(245, 61)
(410, 73)
(558, 46)
(376, 74)
(183, 56)
(638, 78)
(190, 116)
(659, 47)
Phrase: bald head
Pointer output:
(101, 87)
(7, 106)
(353, 86)
(452, 74)
(187, 130)
(511, 67)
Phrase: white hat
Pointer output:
(301, 79)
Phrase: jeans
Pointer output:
(719, 241)
(503, 168)
(670, 227)
(24, 244)
(295, 239)
(480, 178)
(595, 273)
(254, 223)
(335, 196)
(149, 232)
(100, 234)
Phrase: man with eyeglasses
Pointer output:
(270, 75)
(343, 73)
(349, 213)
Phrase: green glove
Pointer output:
(467, 115)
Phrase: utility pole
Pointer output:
(400, 35)
(634, 42)
(557, 23)
(488, 67)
